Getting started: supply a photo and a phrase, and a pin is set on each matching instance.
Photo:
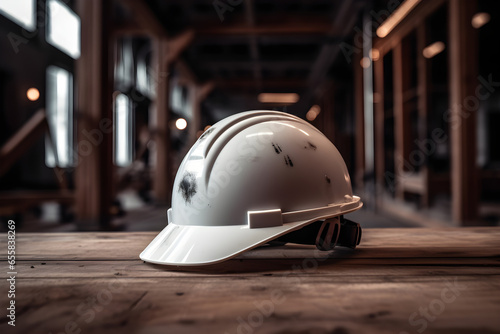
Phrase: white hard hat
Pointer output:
(253, 178)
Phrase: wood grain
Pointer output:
(94, 282)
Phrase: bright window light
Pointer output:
(59, 109)
(20, 11)
(123, 138)
(63, 28)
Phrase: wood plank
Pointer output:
(94, 282)
(294, 304)
(354, 268)
(376, 243)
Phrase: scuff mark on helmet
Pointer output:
(312, 146)
(277, 148)
(327, 179)
(288, 161)
(188, 187)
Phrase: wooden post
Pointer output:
(163, 177)
(379, 118)
(401, 122)
(94, 171)
(199, 94)
(463, 71)
(423, 103)
(359, 123)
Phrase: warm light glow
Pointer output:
(33, 94)
(433, 49)
(285, 98)
(365, 62)
(374, 54)
(397, 16)
(181, 123)
(206, 128)
(313, 113)
(480, 19)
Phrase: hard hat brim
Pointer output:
(192, 245)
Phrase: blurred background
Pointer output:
(101, 99)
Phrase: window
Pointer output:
(59, 145)
(20, 11)
(63, 28)
(123, 136)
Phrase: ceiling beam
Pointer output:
(216, 65)
(343, 24)
(253, 45)
(321, 27)
(270, 85)
(178, 44)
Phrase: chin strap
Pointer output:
(326, 234)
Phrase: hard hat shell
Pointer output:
(249, 179)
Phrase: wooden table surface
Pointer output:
(397, 281)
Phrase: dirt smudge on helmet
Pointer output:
(327, 179)
(288, 161)
(277, 148)
(312, 146)
(187, 186)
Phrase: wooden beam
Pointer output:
(271, 65)
(22, 140)
(144, 17)
(401, 143)
(342, 26)
(94, 170)
(176, 45)
(162, 185)
(463, 71)
(409, 23)
(379, 129)
(320, 27)
(247, 83)
(198, 93)
(359, 120)
(423, 83)
(34, 197)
